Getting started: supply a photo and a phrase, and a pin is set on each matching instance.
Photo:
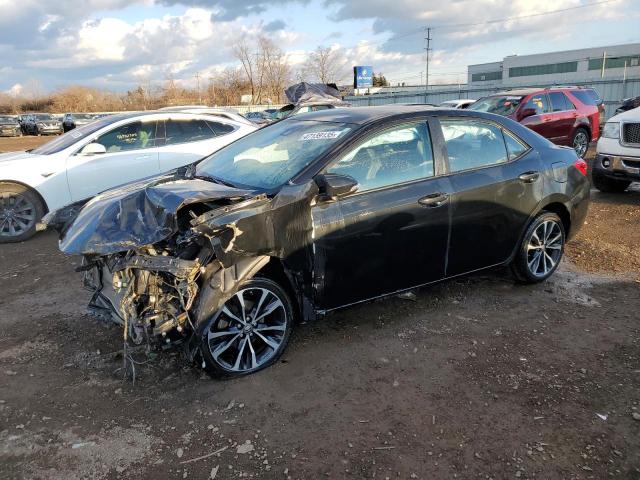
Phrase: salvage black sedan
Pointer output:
(318, 212)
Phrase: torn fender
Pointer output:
(220, 284)
(139, 214)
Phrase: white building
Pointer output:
(567, 67)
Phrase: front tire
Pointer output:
(541, 249)
(609, 185)
(249, 332)
(20, 210)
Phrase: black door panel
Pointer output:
(489, 209)
(379, 242)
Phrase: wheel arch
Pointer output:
(277, 271)
(562, 211)
(45, 207)
(583, 123)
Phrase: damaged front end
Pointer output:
(162, 259)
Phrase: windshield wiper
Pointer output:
(216, 180)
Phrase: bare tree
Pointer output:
(242, 51)
(326, 65)
(277, 73)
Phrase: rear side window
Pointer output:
(560, 102)
(393, 156)
(220, 128)
(515, 147)
(587, 96)
(184, 131)
(472, 144)
(132, 136)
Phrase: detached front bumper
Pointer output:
(617, 167)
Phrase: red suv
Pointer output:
(564, 115)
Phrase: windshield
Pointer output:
(8, 119)
(44, 116)
(72, 136)
(269, 157)
(499, 104)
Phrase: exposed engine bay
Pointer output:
(160, 264)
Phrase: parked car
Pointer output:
(263, 117)
(9, 126)
(564, 115)
(617, 162)
(223, 112)
(628, 104)
(42, 124)
(22, 120)
(460, 103)
(318, 212)
(73, 120)
(100, 155)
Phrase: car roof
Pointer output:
(361, 115)
(367, 115)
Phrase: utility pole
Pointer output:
(427, 49)
(212, 88)
(197, 76)
(604, 61)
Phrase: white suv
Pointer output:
(617, 162)
(101, 155)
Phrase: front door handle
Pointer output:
(434, 200)
(529, 177)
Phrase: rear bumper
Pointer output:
(579, 208)
(617, 167)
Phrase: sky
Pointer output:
(118, 44)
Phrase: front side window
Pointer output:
(184, 131)
(269, 157)
(539, 103)
(472, 144)
(393, 156)
(132, 136)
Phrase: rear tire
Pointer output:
(580, 142)
(609, 185)
(233, 347)
(20, 211)
(541, 249)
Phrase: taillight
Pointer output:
(581, 165)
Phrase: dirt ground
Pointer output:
(476, 378)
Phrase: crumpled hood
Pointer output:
(15, 156)
(138, 214)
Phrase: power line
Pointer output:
(450, 26)
(506, 19)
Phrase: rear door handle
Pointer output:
(529, 177)
(434, 200)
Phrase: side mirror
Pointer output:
(334, 185)
(527, 112)
(93, 149)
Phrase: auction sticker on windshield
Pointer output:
(321, 135)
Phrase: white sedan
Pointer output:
(101, 155)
